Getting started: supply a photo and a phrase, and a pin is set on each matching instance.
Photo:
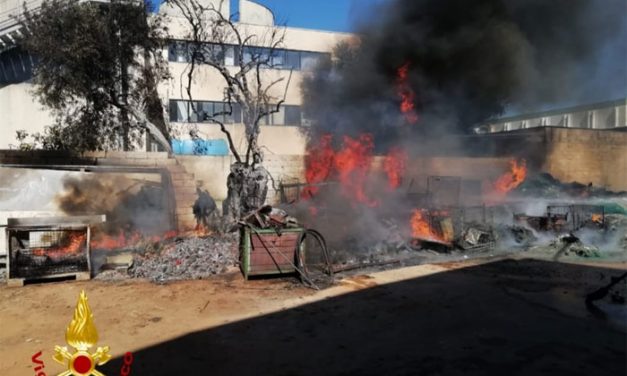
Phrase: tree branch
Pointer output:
(212, 35)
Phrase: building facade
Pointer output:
(281, 132)
(603, 115)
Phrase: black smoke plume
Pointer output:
(468, 61)
(131, 206)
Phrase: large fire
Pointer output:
(512, 178)
(394, 166)
(351, 165)
(406, 94)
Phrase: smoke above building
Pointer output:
(423, 68)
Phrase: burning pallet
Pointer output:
(49, 248)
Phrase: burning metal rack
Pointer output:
(49, 247)
(565, 217)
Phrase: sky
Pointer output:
(334, 15)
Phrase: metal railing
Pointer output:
(8, 16)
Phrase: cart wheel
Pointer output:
(314, 260)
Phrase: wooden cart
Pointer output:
(268, 252)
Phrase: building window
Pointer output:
(277, 59)
(278, 118)
(292, 60)
(591, 119)
(308, 60)
(182, 111)
(614, 120)
(179, 51)
(293, 115)
(16, 65)
(229, 55)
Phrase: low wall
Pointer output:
(584, 155)
(594, 156)
(211, 171)
(588, 156)
(43, 158)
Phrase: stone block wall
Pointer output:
(587, 156)
(596, 156)
(211, 172)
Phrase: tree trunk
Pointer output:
(152, 128)
(153, 107)
(247, 188)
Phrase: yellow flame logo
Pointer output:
(82, 335)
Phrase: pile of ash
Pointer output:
(180, 258)
(187, 258)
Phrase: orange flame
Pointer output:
(421, 228)
(512, 178)
(318, 164)
(122, 240)
(394, 166)
(406, 94)
(72, 243)
(353, 163)
(598, 218)
(350, 165)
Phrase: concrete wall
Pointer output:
(211, 172)
(19, 110)
(209, 84)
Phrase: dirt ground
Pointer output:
(506, 316)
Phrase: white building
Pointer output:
(603, 115)
(280, 134)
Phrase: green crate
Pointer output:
(266, 252)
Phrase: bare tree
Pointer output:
(213, 37)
